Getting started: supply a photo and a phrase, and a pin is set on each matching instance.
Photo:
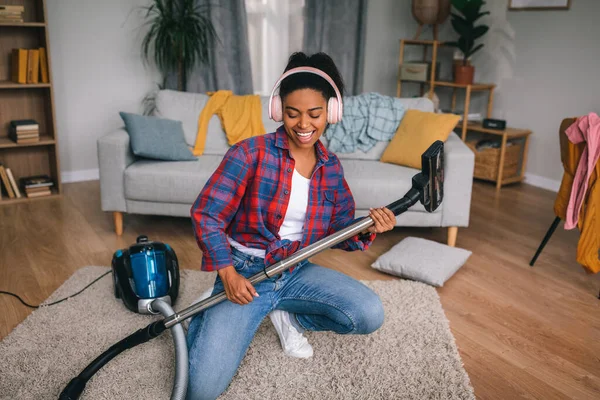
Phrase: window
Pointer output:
(275, 30)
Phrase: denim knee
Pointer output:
(369, 316)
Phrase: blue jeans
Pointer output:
(321, 299)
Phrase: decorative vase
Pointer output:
(463, 74)
(425, 11)
(430, 12)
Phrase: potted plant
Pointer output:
(463, 22)
(180, 36)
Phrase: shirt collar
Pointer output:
(282, 141)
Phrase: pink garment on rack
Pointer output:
(585, 129)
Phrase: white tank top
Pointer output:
(292, 226)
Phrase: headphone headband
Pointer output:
(310, 70)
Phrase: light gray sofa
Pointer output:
(141, 186)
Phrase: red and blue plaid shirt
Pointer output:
(247, 198)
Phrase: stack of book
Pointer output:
(24, 131)
(29, 65)
(11, 13)
(37, 186)
(8, 183)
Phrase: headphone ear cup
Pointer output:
(276, 111)
(333, 116)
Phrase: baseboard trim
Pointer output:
(80, 176)
(542, 182)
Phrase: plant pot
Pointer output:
(463, 74)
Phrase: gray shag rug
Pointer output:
(412, 356)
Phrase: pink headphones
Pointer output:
(334, 105)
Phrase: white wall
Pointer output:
(555, 74)
(97, 71)
(388, 21)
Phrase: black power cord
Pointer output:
(58, 301)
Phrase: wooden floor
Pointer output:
(522, 332)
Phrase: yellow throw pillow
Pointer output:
(417, 131)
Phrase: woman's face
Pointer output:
(304, 117)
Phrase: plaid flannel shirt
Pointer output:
(247, 197)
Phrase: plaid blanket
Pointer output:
(367, 118)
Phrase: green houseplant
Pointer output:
(180, 36)
(463, 22)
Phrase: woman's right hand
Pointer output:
(238, 289)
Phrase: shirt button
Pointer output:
(278, 216)
(286, 191)
(289, 170)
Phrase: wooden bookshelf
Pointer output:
(28, 101)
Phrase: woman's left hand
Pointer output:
(385, 220)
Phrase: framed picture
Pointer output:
(539, 4)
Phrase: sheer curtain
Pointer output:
(275, 30)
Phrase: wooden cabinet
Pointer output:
(20, 101)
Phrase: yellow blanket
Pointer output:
(240, 117)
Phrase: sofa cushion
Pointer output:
(422, 260)
(374, 183)
(156, 138)
(417, 131)
(169, 182)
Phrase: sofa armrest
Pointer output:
(114, 156)
(459, 162)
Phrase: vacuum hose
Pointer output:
(181, 352)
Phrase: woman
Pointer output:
(270, 196)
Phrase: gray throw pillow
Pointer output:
(422, 260)
(157, 138)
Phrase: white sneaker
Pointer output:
(293, 342)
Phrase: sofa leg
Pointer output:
(118, 218)
(452, 232)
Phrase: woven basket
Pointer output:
(486, 160)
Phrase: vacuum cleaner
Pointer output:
(146, 277)
(145, 272)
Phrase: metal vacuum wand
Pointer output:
(397, 208)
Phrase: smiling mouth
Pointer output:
(304, 137)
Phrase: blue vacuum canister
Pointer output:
(144, 272)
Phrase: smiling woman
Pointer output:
(271, 196)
